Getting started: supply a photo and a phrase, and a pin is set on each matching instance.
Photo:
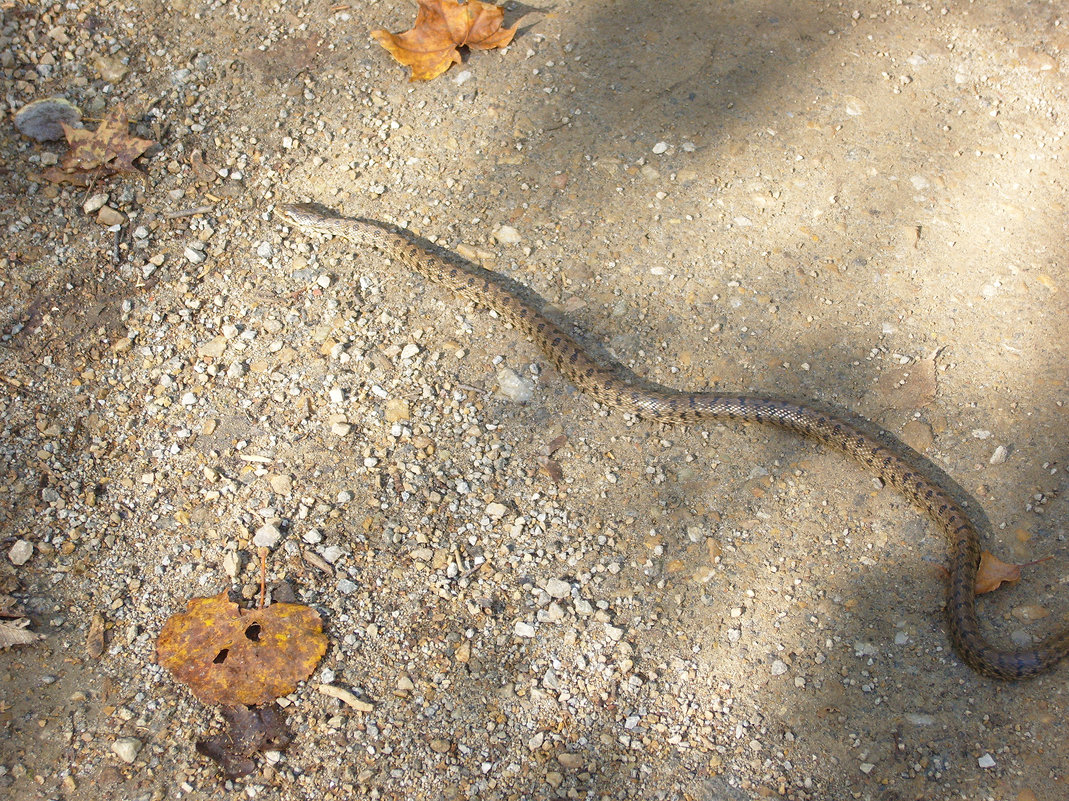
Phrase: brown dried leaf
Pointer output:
(442, 26)
(555, 444)
(94, 640)
(14, 632)
(993, 573)
(551, 468)
(230, 655)
(109, 148)
(248, 731)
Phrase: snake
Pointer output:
(604, 385)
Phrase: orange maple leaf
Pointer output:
(442, 26)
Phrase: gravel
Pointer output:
(791, 200)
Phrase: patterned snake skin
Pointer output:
(665, 406)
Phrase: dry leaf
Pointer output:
(994, 572)
(551, 468)
(555, 444)
(109, 149)
(229, 655)
(94, 640)
(442, 26)
(248, 731)
(14, 632)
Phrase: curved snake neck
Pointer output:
(665, 406)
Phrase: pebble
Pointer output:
(513, 386)
(20, 552)
(40, 120)
(332, 553)
(126, 748)
(986, 761)
(779, 667)
(523, 629)
(507, 235)
(660, 148)
(95, 202)
(570, 761)
(409, 350)
(213, 348)
(107, 216)
(267, 536)
(556, 588)
(194, 256)
(999, 456)
(496, 510)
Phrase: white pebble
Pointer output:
(409, 350)
(95, 202)
(999, 456)
(513, 386)
(555, 588)
(194, 256)
(20, 552)
(507, 235)
(522, 629)
(986, 761)
(126, 748)
(660, 148)
(266, 536)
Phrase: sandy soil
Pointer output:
(862, 205)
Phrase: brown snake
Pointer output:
(666, 406)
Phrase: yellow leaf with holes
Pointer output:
(230, 655)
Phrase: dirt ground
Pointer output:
(861, 204)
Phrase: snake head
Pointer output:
(305, 215)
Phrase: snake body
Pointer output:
(665, 406)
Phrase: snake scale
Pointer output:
(666, 406)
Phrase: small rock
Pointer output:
(126, 748)
(439, 746)
(779, 667)
(570, 761)
(332, 553)
(513, 386)
(111, 68)
(95, 202)
(107, 216)
(660, 148)
(396, 410)
(231, 564)
(507, 235)
(40, 120)
(409, 350)
(496, 510)
(999, 456)
(522, 629)
(1030, 612)
(194, 256)
(555, 588)
(986, 761)
(267, 536)
(281, 485)
(614, 633)
(463, 652)
(213, 348)
(20, 552)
